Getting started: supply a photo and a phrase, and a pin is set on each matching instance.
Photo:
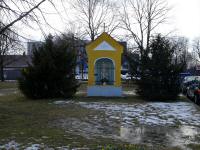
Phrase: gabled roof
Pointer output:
(105, 40)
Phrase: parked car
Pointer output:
(78, 77)
(126, 76)
(193, 92)
(183, 75)
(184, 86)
(191, 78)
(187, 81)
(81, 77)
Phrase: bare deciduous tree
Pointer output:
(15, 11)
(8, 42)
(11, 13)
(96, 16)
(141, 17)
(196, 47)
(181, 54)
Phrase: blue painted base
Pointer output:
(107, 91)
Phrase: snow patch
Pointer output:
(61, 102)
(33, 147)
(11, 145)
(153, 113)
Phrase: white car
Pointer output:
(191, 78)
(78, 77)
(126, 76)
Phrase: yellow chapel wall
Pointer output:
(104, 54)
(93, 55)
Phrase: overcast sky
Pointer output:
(184, 20)
(186, 17)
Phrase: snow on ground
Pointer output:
(136, 123)
(129, 93)
(151, 123)
(12, 145)
(33, 147)
(61, 102)
(152, 113)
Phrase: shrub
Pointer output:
(51, 73)
(160, 71)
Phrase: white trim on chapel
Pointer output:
(104, 46)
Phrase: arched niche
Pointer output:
(104, 71)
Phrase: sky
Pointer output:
(186, 17)
(184, 20)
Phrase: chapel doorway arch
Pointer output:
(104, 71)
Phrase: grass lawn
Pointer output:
(35, 122)
(27, 122)
(8, 84)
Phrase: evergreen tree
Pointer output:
(51, 73)
(160, 71)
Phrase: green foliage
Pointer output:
(160, 71)
(51, 73)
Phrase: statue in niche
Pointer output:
(104, 75)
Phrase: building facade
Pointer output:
(104, 64)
